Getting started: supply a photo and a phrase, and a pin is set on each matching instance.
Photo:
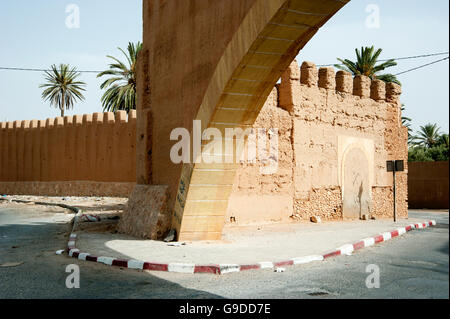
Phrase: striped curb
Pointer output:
(220, 269)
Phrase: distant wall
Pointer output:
(99, 147)
(428, 185)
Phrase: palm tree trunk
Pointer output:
(63, 106)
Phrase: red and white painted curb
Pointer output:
(229, 268)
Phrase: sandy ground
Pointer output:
(239, 245)
(89, 205)
(414, 265)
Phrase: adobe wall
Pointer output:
(428, 185)
(321, 117)
(81, 155)
(216, 62)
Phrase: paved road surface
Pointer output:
(412, 266)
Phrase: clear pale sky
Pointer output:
(33, 34)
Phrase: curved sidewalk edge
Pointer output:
(230, 268)
(20, 201)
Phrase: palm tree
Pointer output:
(62, 89)
(406, 122)
(428, 136)
(443, 140)
(388, 78)
(121, 86)
(366, 64)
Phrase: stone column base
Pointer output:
(147, 214)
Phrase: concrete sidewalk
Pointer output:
(242, 245)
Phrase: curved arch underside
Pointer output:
(263, 49)
(216, 62)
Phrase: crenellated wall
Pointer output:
(336, 133)
(91, 154)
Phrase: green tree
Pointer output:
(429, 145)
(428, 136)
(366, 64)
(406, 122)
(439, 153)
(419, 154)
(121, 86)
(443, 140)
(62, 89)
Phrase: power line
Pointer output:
(422, 66)
(320, 65)
(396, 59)
(41, 70)
(417, 56)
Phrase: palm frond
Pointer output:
(120, 87)
(388, 78)
(62, 89)
(366, 64)
(427, 136)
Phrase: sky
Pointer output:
(35, 34)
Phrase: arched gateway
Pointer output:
(213, 61)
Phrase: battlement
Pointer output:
(119, 117)
(342, 82)
(90, 147)
(322, 116)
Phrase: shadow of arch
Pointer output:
(42, 273)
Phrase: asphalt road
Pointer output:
(412, 266)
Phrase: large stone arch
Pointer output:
(213, 61)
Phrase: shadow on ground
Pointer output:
(42, 274)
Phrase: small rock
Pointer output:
(171, 236)
(90, 218)
(373, 217)
(316, 219)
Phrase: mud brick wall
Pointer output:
(91, 154)
(322, 115)
(428, 185)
